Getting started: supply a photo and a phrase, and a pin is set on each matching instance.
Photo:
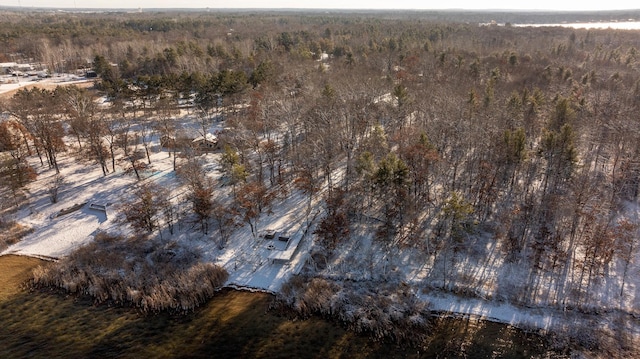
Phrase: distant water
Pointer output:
(618, 25)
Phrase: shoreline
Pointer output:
(440, 305)
(558, 326)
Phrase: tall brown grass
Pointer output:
(383, 310)
(151, 275)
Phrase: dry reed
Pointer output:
(150, 275)
(384, 310)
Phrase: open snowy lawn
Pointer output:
(61, 235)
(57, 234)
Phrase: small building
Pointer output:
(206, 143)
(7, 67)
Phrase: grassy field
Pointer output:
(232, 325)
(14, 271)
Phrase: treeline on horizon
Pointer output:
(57, 24)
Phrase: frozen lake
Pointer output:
(618, 25)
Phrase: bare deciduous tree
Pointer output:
(143, 209)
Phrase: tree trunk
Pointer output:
(113, 157)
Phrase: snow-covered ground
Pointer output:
(248, 259)
(56, 235)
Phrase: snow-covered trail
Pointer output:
(541, 318)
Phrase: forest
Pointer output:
(429, 153)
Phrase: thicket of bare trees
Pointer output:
(37, 110)
(15, 171)
(432, 133)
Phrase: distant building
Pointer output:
(7, 67)
(14, 67)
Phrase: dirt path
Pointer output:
(44, 85)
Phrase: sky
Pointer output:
(333, 4)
